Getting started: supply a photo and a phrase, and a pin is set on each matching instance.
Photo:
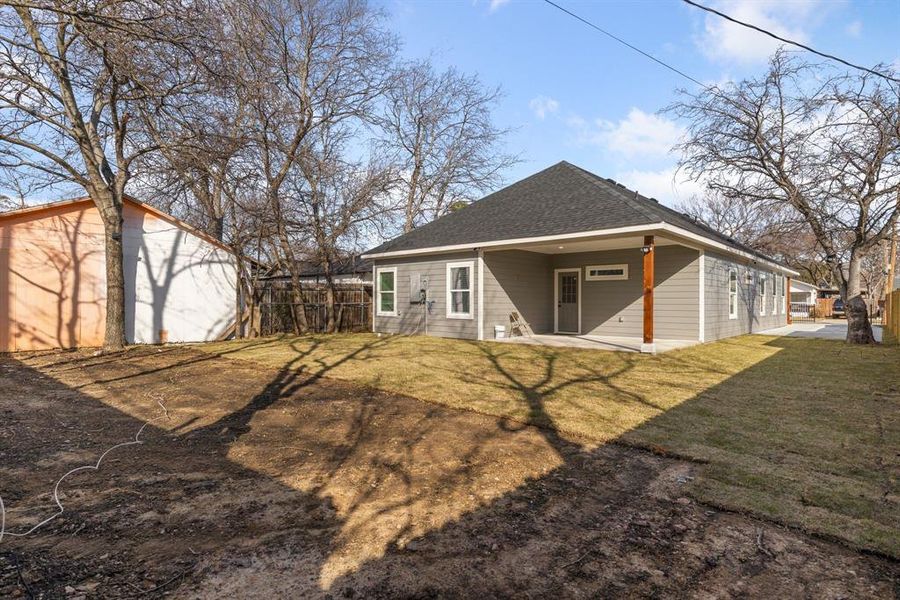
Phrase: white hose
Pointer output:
(93, 467)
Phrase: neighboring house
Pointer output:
(179, 282)
(574, 253)
(828, 291)
(352, 270)
(803, 293)
(804, 300)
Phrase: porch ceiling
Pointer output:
(570, 247)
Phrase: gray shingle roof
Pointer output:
(561, 199)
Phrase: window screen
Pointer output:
(569, 292)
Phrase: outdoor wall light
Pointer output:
(646, 249)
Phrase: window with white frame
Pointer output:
(605, 272)
(781, 286)
(386, 295)
(761, 288)
(732, 294)
(773, 292)
(459, 290)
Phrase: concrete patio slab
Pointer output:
(596, 342)
(828, 330)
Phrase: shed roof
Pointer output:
(39, 209)
(802, 285)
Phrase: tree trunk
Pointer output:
(217, 227)
(412, 207)
(329, 305)
(325, 265)
(859, 328)
(114, 338)
(298, 308)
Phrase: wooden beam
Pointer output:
(649, 251)
(787, 300)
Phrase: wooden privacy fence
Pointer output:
(352, 306)
(825, 308)
(892, 318)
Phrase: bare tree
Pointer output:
(771, 229)
(199, 164)
(201, 158)
(340, 197)
(775, 230)
(69, 76)
(438, 127)
(312, 65)
(17, 187)
(826, 145)
(874, 273)
(8, 203)
(202, 169)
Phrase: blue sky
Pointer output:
(574, 94)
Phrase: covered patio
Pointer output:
(629, 291)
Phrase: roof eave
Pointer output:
(511, 243)
(679, 232)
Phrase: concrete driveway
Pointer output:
(830, 330)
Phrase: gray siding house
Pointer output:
(574, 254)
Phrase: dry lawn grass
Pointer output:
(802, 431)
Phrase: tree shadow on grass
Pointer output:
(613, 521)
(355, 465)
(320, 487)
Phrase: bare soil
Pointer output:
(259, 483)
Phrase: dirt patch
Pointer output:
(256, 482)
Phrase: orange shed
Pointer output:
(179, 282)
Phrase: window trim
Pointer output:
(378, 292)
(732, 303)
(467, 264)
(622, 277)
(774, 294)
(782, 296)
(761, 279)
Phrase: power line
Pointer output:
(624, 43)
(787, 41)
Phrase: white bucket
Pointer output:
(499, 332)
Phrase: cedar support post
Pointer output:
(649, 250)
(787, 300)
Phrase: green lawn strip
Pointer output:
(803, 431)
(862, 533)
